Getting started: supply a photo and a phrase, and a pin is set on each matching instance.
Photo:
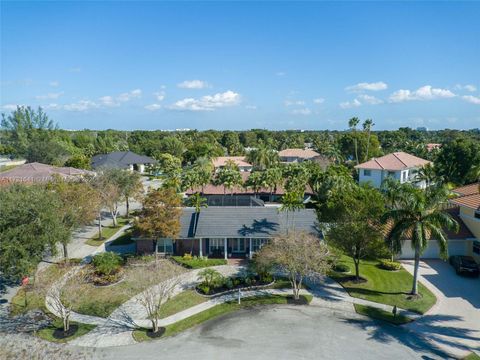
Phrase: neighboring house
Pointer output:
(296, 155)
(468, 203)
(226, 232)
(398, 165)
(218, 195)
(433, 146)
(6, 161)
(122, 160)
(240, 161)
(37, 172)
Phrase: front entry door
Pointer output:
(238, 245)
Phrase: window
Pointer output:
(367, 172)
(165, 246)
(216, 245)
(257, 244)
(476, 247)
(391, 174)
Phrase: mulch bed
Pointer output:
(301, 301)
(353, 279)
(60, 334)
(157, 334)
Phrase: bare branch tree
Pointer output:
(300, 255)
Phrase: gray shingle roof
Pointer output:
(120, 159)
(246, 222)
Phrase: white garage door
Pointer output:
(455, 247)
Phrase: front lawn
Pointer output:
(185, 300)
(198, 262)
(385, 287)
(107, 232)
(380, 314)
(472, 356)
(103, 300)
(36, 299)
(48, 332)
(218, 310)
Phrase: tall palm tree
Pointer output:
(419, 216)
(273, 179)
(198, 202)
(291, 202)
(367, 126)
(352, 124)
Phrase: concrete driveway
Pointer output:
(454, 321)
(283, 332)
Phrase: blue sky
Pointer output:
(241, 65)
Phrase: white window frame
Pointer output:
(165, 246)
(215, 244)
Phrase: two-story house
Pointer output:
(398, 165)
(296, 155)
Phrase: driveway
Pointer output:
(454, 321)
(283, 332)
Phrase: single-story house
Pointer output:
(398, 165)
(226, 232)
(122, 160)
(296, 155)
(7, 161)
(37, 173)
(240, 161)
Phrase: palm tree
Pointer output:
(352, 124)
(203, 167)
(198, 202)
(255, 181)
(273, 179)
(428, 174)
(419, 216)
(263, 157)
(291, 202)
(367, 126)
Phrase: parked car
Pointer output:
(465, 265)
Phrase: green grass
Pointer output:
(381, 314)
(107, 232)
(36, 299)
(385, 287)
(472, 356)
(197, 262)
(124, 239)
(218, 310)
(47, 333)
(184, 300)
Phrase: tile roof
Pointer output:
(120, 159)
(37, 172)
(222, 160)
(467, 189)
(470, 201)
(300, 153)
(394, 161)
(246, 222)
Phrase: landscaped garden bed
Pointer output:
(384, 286)
(219, 310)
(197, 262)
(383, 315)
(55, 333)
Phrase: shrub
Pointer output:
(107, 263)
(198, 262)
(390, 265)
(342, 268)
(229, 283)
(187, 257)
(210, 277)
(204, 288)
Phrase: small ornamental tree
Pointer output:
(166, 276)
(298, 254)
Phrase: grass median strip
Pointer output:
(107, 232)
(385, 287)
(380, 314)
(218, 310)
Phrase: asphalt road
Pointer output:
(284, 332)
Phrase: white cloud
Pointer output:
(82, 105)
(193, 84)
(54, 83)
(153, 107)
(52, 106)
(303, 111)
(318, 101)
(137, 93)
(251, 107)
(423, 93)
(294, 102)
(472, 99)
(108, 101)
(468, 87)
(350, 104)
(368, 99)
(49, 96)
(10, 107)
(160, 95)
(208, 102)
(375, 86)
